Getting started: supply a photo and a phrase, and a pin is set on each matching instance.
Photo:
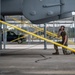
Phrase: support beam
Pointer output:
(73, 14)
(0, 9)
(40, 33)
(45, 43)
(53, 29)
(0, 29)
(0, 36)
(4, 36)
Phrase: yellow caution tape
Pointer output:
(24, 36)
(71, 49)
(35, 27)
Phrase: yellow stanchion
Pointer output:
(71, 49)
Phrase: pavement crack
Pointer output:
(44, 58)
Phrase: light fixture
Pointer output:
(73, 13)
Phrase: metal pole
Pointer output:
(73, 13)
(53, 29)
(74, 28)
(0, 9)
(0, 36)
(0, 29)
(29, 39)
(4, 35)
(39, 34)
(45, 43)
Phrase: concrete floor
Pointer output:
(35, 61)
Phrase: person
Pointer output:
(64, 41)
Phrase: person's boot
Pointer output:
(56, 53)
(73, 53)
(66, 53)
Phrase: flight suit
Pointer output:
(63, 34)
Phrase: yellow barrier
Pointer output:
(23, 36)
(49, 33)
(71, 49)
(35, 27)
(23, 22)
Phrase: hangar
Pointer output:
(28, 29)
